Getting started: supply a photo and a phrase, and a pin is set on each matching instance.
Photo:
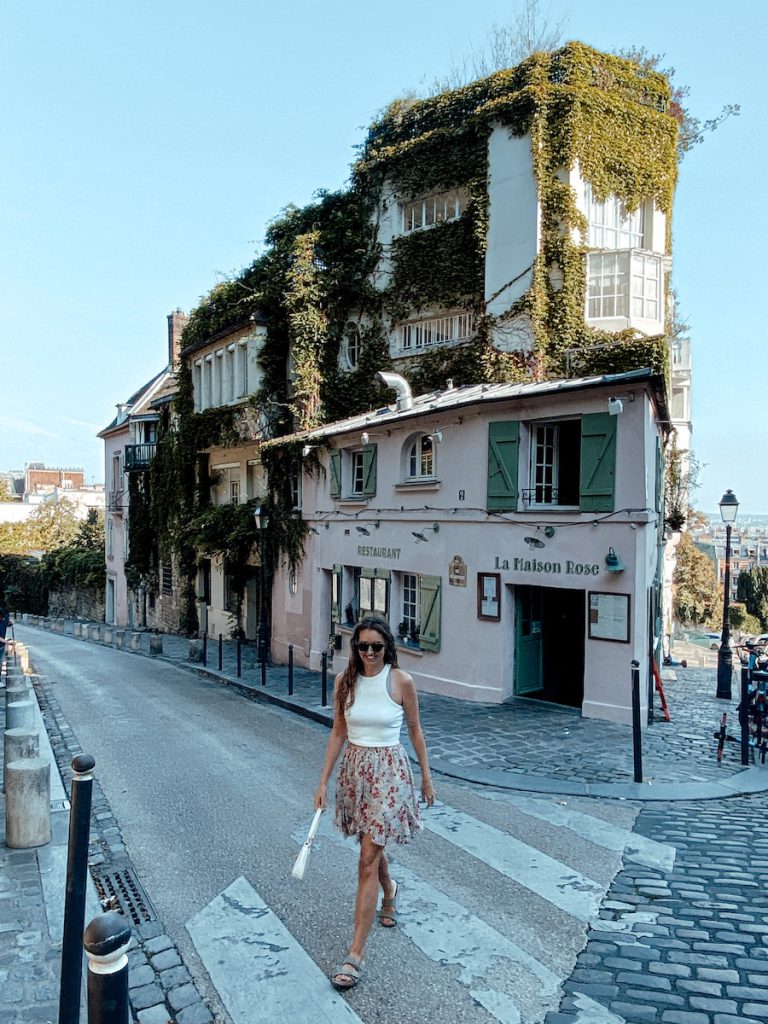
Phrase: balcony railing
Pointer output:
(139, 456)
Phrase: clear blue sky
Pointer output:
(147, 144)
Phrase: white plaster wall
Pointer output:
(114, 444)
(513, 219)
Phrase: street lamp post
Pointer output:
(262, 521)
(729, 506)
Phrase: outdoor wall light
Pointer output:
(534, 542)
(314, 529)
(612, 563)
(615, 406)
(437, 436)
(366, 530)
(420, 534)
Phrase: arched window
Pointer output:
(351, 346)
(420, 457)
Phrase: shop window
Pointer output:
(371, 595)
(420, 609)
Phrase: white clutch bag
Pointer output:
(301, 861)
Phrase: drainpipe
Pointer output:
(401, 386)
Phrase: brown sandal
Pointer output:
(388, 912)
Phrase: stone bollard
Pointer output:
(195, 651)
(96, 632)
(25, 619)
(106, 635)
(19, 744)
(15, 692)
(136, 642)
(120, 638)
(33, 620)
(155, 645)
(28, 803)
(20, 715)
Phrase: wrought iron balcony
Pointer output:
(139, 456)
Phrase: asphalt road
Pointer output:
(210, 789)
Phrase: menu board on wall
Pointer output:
(609, 616)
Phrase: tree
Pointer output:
(53, 525)
(90, 532)
(5, 491)
(692, 129)
(752, 589)
(696, 591)
(532, 31)
(740, 619)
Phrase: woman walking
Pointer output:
(375, 797)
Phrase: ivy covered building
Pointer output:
(512, 232)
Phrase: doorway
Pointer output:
(549, 644)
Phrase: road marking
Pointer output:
(253, 960)
(638, 849)
(590, 1012)
(449, 934)
(560, 885)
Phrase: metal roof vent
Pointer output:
(401, 386)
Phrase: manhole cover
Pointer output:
(123, 889)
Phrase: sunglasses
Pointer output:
(376, 647)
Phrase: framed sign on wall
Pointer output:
(609, 616)
(489, 596)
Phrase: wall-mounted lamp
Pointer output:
(366, 530)
(365, 437)
(437, 436)
(420, 534)
(616, 403)
(548, 531)
(314, 529)
(534, 542)
(612, 563)
(306, 450)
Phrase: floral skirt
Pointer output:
(375, 795)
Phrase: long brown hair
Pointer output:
(345, 688)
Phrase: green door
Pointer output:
(528, 612)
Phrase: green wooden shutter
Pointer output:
(335, 474)
(598, 462)
(369, 470)
(429, 633)
(502, 464)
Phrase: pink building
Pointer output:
(511, 534)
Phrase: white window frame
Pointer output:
(544, 485)
(356, 472)
(351, 347)
(410, 601)
(429, 210)
(451, 328)
(420, 458)
(624, 283)
(611, 225)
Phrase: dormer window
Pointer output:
(437, 208)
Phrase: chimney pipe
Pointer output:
(177, 321)
(401, 386)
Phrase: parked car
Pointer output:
(713, 640)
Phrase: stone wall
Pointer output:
(77, 604)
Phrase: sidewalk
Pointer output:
(523, 744)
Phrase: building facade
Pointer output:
(510, 535)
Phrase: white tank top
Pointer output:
(374, 720)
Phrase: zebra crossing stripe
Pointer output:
(259, 970)
(590, 1012)
(638, 849)
(560, 885)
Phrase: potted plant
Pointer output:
(414, 633)
(402, 630)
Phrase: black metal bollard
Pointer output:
(264, 666)
(239, 657)
(205, 650)
(637, 744)
(324, 669)
(744, 714)
(106, 942)
(74, 900)
(221, 651)
(290, 670)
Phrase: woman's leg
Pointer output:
(368, 874)
(387, 883)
